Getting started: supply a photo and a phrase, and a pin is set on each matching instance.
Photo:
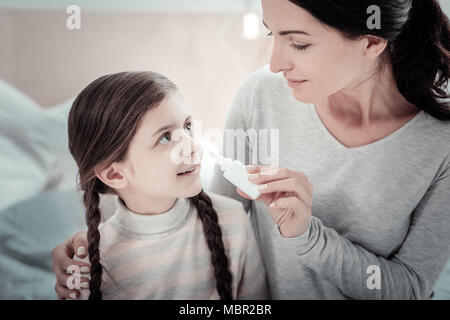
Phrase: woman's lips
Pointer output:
(295, 83)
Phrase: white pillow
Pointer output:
(26, 150)
(64, 171)
(29, 230)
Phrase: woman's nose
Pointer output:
(278, 60)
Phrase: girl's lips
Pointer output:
(192, 173)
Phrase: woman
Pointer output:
(363, 116)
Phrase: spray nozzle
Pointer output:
(222, 161)
(234, 171)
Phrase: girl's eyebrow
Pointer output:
(189, 117)
(283, 33)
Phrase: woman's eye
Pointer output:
(269, 34)
(299, 47)
(165, 139)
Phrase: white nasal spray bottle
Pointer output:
(235, 172)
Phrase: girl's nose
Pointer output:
(191, 150)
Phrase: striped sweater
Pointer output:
(166, 256)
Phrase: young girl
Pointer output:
(167, 239)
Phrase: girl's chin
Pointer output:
(193, 190)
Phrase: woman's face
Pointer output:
(162, 148)
(323, 57)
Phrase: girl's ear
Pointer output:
(112, 176)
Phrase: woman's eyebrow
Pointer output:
(170, 126)
(283, 33)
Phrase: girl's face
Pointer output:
(305, 49)
(162, 148)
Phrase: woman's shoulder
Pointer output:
(435, 132)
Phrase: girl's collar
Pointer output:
(136, 225)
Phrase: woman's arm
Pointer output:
(410, 273)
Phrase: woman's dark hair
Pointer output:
(102, 122)
(418, 35)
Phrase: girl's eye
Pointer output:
(269, 34)
(165, 139)
(299, 47)
(188, 126)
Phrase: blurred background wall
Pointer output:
(200, 45)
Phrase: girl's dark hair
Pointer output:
(418, 35)
(102, 122)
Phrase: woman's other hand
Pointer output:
(63, 262)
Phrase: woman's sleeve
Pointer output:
(237, 123)
(410, 273)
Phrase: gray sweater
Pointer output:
(380, 226)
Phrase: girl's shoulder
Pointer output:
(230, 212)
(237, 230)
(224, 202)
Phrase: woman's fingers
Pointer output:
(286, 203)
(62, 276)
(68, 284)
(65, 293)
(264, 175)
(80, 244)
(265, 198)
(288, 195)
(288, 185)
(62, 265)
(62, 261)
(268, 175)
(255, 168)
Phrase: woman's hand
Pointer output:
(63, 259)
(287, 194)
